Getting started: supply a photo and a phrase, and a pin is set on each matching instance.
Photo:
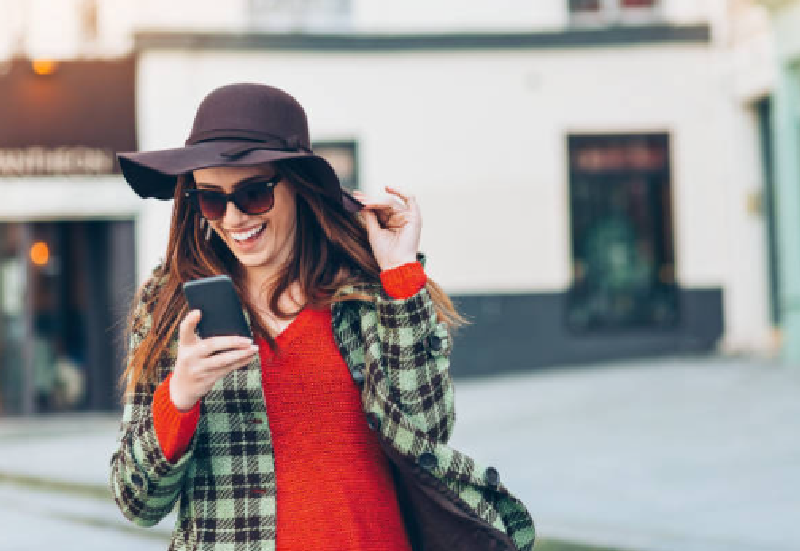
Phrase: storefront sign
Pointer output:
(69, 122)
(49, 161)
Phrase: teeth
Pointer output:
(247, 234)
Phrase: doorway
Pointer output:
(65, 289)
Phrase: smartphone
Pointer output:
(222, 310)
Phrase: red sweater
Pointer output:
(322, 444)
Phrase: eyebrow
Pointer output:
(238, 184)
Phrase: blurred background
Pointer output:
(611, 194)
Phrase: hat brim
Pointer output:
(154, 173)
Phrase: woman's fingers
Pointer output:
(188, 326)
(213, 345)
(389, 203)
(396, 220)
(389, 215)
(229, 359)
(407, 198)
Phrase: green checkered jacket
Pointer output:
(224, 484)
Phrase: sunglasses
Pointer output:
(254, 197)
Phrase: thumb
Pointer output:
(186, 331)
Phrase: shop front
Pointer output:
(67, 234)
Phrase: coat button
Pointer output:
(427, 461)
(435, 342)
(358, 377)
(137, 480)
(372, 421)
(492, 477)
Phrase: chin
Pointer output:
(254, 259)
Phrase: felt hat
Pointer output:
(242, 124)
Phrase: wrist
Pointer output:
(404, 280)
(391, 264)
(182, 404)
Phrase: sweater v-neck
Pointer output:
(295, 327)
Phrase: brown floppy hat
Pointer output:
(242, 124)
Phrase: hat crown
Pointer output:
(253, 112)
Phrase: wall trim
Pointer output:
(569, 38)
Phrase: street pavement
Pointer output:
(689, 454)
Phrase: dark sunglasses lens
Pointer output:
(255, 198)
(212, 204)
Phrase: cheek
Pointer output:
(286, 225)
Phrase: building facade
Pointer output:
(604, 210)
(591, 172)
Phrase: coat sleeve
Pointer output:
(145, 485)
(414, 351)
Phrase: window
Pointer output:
(343, 157)
(58, 340)
(608, 12)
(293, 15)
(622, 241)
(585, 6)
(638, 3)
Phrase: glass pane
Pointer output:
(584, 6)
(343, 157)
(623, 259)
(68, 334)
(283, 15)
(12, 321)
(638, 3)
(58, 305)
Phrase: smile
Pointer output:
(249, 234)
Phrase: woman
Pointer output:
(350, 358)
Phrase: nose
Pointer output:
(233, 216)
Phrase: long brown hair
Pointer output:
(331, 250)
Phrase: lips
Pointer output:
(249, 234)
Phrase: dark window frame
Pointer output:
(347, 146)
(613, 12)
(622, 236)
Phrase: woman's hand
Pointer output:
(393, 226)
(198, 368)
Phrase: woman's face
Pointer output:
(272, 243)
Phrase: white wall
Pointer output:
(458, 15)
(748, 71)
(688, 12)
(787, 26)
(67, 197)
(480, 139)
(52, 28)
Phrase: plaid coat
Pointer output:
(224, 484)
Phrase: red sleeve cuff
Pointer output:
(404, 281)
(174, 428)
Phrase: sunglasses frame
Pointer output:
(193, 196)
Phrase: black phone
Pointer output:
(222, 310)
